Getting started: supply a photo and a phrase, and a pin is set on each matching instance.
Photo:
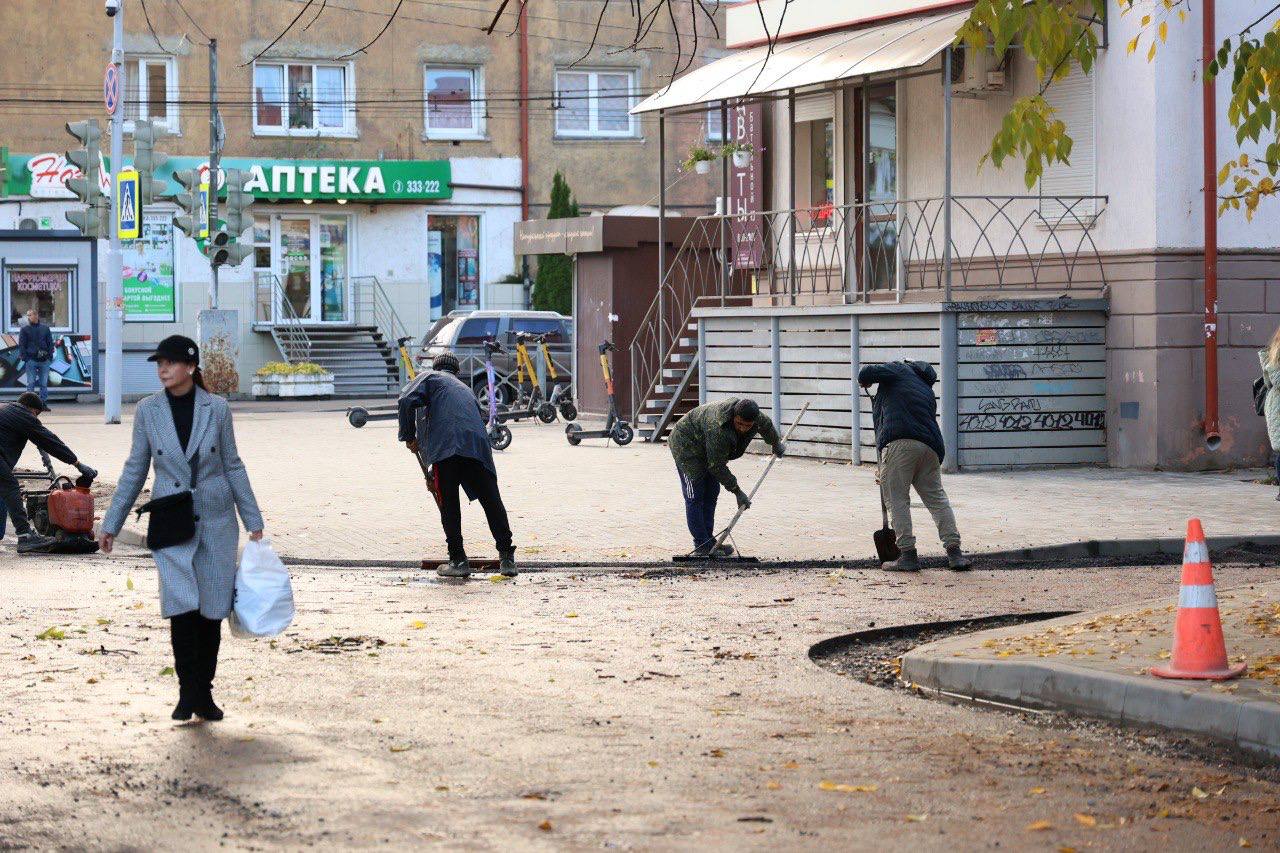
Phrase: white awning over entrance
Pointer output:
(808, 62)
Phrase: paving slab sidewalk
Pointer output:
(1096, 664)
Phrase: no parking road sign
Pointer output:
(127, 223)
(111, 88)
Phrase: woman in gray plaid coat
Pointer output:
(185, 433)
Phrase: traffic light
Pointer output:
(147, 160)
(193, 221)
(234, 220)
(95, 219)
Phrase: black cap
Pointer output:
(32, 401)
(746, 409)
(176, 348)
(446, 361)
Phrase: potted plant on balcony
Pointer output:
(277, 379)
(740, 151)
(699, 160)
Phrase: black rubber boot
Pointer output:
(507, 564)
(210, 642)
(455, 569)
(956, 559)
(909, 561)
(184, 634)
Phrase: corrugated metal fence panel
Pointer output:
(815, 360)
(894, 337)
(1032, 388)
(139, 375)
(740, 359)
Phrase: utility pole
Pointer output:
(215, 151)
(115, 260)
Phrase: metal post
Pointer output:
(702, 361)
(114, 342)
(724, 204)
(950, 391)
(865, 167)
(855, 401)
(946, 175)
(662, 232)
(775, 359)
(791, 194)
(214, 166)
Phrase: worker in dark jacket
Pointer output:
(703, 442)
(35, 347)
(20, 423)
(440, 421)
(905, 413)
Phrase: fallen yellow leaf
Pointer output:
(1199, 794)
(1037, 791)
(773, 786)
(1086, 820)
(545, 826)
(571, 616)
(400, 748)
(917, 818)
(1039, 826)
(828, 785)
(417, 625)
(128, 583)
(652, 763)
(1243, 842)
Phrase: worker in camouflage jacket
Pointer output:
(703, 443)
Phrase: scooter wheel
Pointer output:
(623, 433)
(547, 413)
(358, 417)
(500, 437)
(569, 411)
(571, 433)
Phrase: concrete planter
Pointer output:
(294, 385)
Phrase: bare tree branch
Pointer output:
(374, 40)
(283, 33)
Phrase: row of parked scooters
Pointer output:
(533, 404)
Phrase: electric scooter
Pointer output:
(562, 395)
(499, 434)
(615, 428)
(358, 416)
(535, 405)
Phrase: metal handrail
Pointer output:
(374, 307)
(286, 326)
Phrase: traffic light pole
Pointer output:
(214, 166)
(115, 260)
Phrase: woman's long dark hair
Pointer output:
(198, 378)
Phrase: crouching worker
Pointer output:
(905, 413)
(440, 422)
(702, 442)
(20, 423)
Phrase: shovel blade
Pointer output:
(886, 545)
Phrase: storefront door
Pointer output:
(311, 255)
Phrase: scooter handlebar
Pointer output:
(492, 346)
(606, 346)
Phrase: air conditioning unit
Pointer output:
(975, 74)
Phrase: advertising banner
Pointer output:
(150, 295)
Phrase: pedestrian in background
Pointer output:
(905, 413)
(35, 347)
(1270, 360)
(703, 443)
(186, 434)
(440, 422)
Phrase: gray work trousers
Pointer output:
(906, 463)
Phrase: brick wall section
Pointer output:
(1155, 357)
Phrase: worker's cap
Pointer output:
(176, 348)
(748, 410)
(446, 361)
(32, 401)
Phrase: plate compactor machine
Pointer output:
(62, 509)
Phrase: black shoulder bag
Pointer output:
(173, 517)
(1260, 395)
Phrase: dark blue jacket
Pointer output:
(904, 405)
(34, 338)
(451, 424)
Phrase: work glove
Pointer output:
(86, 471)
(744, 502)
(780, 449)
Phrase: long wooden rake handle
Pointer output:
(724, 534)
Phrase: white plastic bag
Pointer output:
(264, 596)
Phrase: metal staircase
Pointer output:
(676, 391)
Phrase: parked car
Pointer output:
(464, 333)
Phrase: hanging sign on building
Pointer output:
(150, 295)
(746, 188)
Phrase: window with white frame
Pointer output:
(454, 102)
(1066, 188)
(305, 99)
(151, 91)
(594, 103)
(715, 125)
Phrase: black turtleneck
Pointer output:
(183, 409)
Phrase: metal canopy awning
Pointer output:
(827, 58)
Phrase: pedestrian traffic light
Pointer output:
(194, 219)
(147, 160)
(94, 220)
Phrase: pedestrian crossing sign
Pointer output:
(128, 214)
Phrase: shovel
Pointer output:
(885, 539)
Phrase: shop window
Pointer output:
(477, 330)
(46, 289)
(454, 103)
(594, 103)
(814, 161)
(453, 243)
(333, 268)
(303, 99)
(151, 92)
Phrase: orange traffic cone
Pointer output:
(1198, 648)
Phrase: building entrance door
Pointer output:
(312, 259)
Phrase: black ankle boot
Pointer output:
(210, 642)
(184, 634)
